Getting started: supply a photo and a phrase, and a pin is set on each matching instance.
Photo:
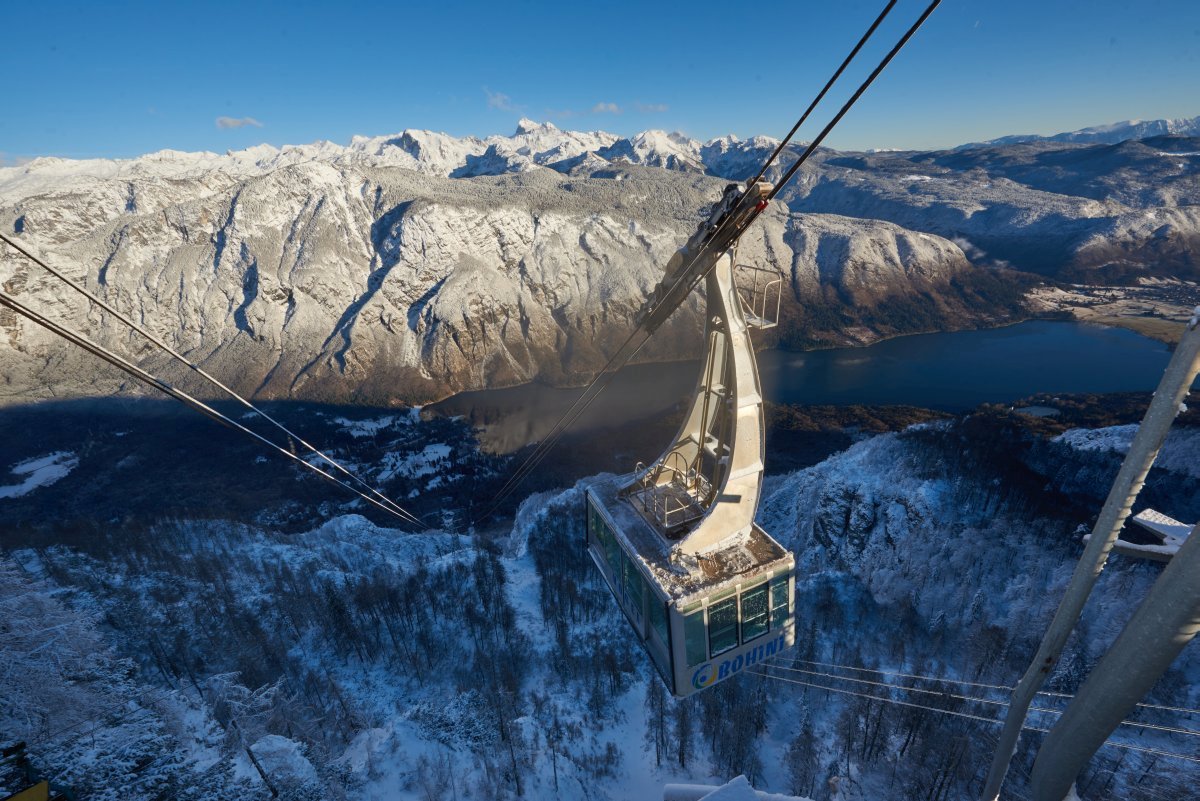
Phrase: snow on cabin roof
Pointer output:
(749, 555)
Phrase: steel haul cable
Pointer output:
(975, 699)
(159, 693)
(1002, 687)
(815, 143)
(821, 95)
(584, 400)
(984, 718)
(145, 377)
(179, 357)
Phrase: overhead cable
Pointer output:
(821, 95)
(179, 357)
(1001, 687)
(620, 358)
(816, 142)
(985, 719)
(159, 694)
(993, 702)
(146, 378)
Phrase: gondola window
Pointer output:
(779, 602)
(694, 638)
(722, 626)
(754, 613)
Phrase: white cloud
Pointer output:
(606, 108)
(499, 100)
(237, 122)
(651, 108)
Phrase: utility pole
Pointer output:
(1164, 406)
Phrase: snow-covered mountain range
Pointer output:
(1110, 134)
(408, 267)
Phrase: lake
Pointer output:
(949, 371)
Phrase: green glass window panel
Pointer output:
(614, 551)
(661, 661)
(658, 616)
(717, 596)
(594, 529)
(606, 543)
(694, 638)
(754, 613)
(633, 587)
(722, 626)
(780, 608)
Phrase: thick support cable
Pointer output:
(1164, 406)
(619, 359)
(590, 393)
(179, 357)
(944, 680)
(815, 143)
(1137, 724)
(821, 95)
(958, 714)
(117, 361)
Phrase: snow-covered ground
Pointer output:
(426, 462)
(365, 428)
(361, 661)
(1178, 454)
(40, 472)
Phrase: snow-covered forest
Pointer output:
(201, 658)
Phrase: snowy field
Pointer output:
(40, 472)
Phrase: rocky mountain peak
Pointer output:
(526, 126)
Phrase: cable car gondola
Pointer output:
(707, 591)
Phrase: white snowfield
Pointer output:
(281, 758)
(40, 472)
(365, 428)
(905, 557)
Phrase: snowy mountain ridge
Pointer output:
(1110, 134)
(409, 267)
(532, 144)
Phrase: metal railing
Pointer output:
(766, 286)
(667, 508)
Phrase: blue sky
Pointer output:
(124, 78)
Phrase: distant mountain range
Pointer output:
(410, 266)
(1110, 134)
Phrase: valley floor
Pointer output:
(1154, 307)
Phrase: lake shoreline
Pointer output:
(1156, 329)
(943, 371)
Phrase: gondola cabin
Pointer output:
(707, 591)
(699, 627)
